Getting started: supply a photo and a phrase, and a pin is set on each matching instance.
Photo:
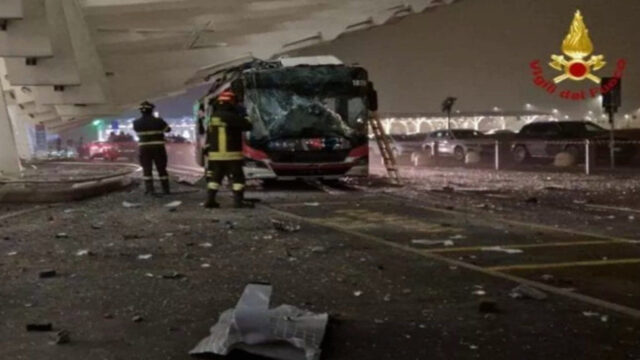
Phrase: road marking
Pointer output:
(564, 264)
(541, 227)
(531, 246)
(21, 212)
(631, 312)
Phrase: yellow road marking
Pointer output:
(628, 311)
(530, 246)
(564, 264)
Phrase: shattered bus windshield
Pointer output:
(305, 103)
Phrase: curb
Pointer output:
(78, 190)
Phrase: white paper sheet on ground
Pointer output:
(285, 332)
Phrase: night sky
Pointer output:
(480, 50)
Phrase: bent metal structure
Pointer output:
(65, 62)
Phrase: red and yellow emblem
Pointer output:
(577, 46)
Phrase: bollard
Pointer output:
(497, 155)
(587, 157)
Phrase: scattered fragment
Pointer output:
(378, 321)
(406, 291)
(68, 211)
(12, 253)
(526, 292)
(487, 306)
(205, 266)
(137, 319)
(173, 206)
(457, 237)
(205, 244)
(96, 226)
(149, 275)
(229, 225)
(173, 276)
(318, 249)
(62, 235)
(433, 242)
(283, 226)
(285, 332)
(357, 293)
(130, 205)
(312, 204)
(108, 316)
(501, 249)
(590, 313)
(145, 256)
(387, 297)
(40, 327)
(84, 252)
(547, 277)
(47, 274)
(62, 337)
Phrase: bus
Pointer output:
(310, 117)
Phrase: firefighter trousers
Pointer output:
(218, 169)
(150, 155)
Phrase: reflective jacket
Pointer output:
(224, 133)
(150, 130)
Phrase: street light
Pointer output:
(447, 106)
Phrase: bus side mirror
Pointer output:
(372, 98)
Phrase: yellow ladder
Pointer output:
(388, 159)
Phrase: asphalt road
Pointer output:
(388, 297)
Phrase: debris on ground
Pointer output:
(45, 274)
(205, 244)
(174, 205)
(457, 237)
(312, 204)
(130, 205)
(285, 226)
(432, 242)
(173, 276)
(12, 253)
(318, 249)
(229, 225)
(144, 256)
(84, 252)
(603, 318)
(501, 249)
(357, 293)
(527, 292)
(40, 327)
(96, 226)
(254, 328)
(547, 277)
(487, 306)
(62, 235)
(137, 319)
(62, 337)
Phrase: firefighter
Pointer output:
(151, 130)
(224, 148)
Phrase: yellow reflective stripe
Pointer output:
(222, 140)
(213, 186)
(237, 187)
(151, 143)
(143, 133)
(217, 156)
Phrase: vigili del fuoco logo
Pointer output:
(578, 63)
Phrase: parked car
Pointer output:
(455, 143)
(547, 139)
(403, 146)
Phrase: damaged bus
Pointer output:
(309, 115)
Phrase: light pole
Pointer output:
(447, 106)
